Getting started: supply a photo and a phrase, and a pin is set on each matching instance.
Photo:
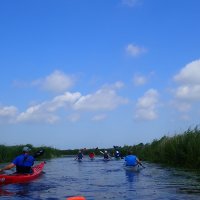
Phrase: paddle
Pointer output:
(141, 164)
(38, 153)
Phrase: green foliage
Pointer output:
(8, 153)
(182, 150)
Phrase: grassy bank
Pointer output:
(8, 153)
(181, 150)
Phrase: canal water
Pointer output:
(99, 180)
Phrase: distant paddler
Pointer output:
(79, 156)
(91, 155)
(106, 155)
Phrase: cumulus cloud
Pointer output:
(37, 113)
(55, 82)
(134, 50)
(45, 111)
(146, 106)
(8, 113)
(105, 98)
(189, 82)
(190, 74)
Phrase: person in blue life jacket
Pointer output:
(79, 155)
(23, 162)
(132, 160)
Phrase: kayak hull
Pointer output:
(106, 159)
(136, 168)
(21, 178)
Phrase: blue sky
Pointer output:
(88, 73)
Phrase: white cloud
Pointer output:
(65, 100)
(8, 114)
(45, 111)
(49, 111)
(103, 99)
(146, 106)
(55, 82)
(134, 50)
(188, 92)
(190, 74)
(37, 113)
(8, 111)
(189, 82)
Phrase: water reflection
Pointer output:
(130, 175)
(4, 192)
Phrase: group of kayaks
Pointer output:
(37, 171)
(135, 168)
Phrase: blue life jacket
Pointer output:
(131, 160)
(24, 163)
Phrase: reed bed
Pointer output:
(180, 150)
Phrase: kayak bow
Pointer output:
(21, 178)
(76, 198)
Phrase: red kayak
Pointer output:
(21, 178)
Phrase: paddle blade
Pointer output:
(38, 153)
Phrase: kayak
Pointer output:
(76, 198)
(135, 168)
(106, 159)
(21, 178)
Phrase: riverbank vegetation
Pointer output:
(181, 150)
(8, 153)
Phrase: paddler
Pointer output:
(23, 162)
(132, 160)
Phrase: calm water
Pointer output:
(99, 180)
